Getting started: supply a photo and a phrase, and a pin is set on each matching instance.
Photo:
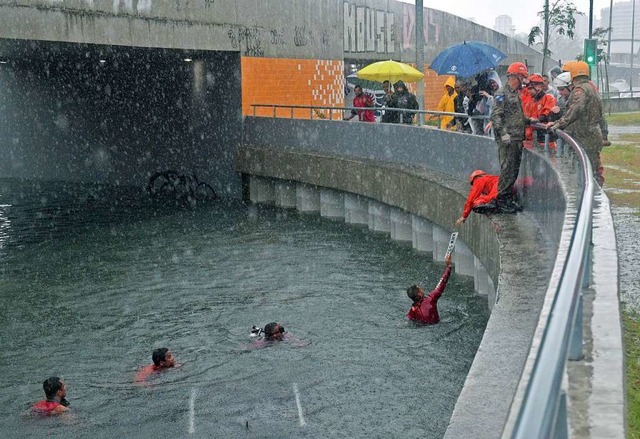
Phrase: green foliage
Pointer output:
(561, 21)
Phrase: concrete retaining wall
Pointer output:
(517, 252)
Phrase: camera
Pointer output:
(255, 331)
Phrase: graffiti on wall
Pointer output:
(430, 28)
(368, 30)
(246, 39)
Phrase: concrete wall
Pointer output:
(621, 105)
(426, 175)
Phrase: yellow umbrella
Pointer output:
(391, 71)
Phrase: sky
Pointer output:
(523, 13)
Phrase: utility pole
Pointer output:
(633, 36)
(591, 18)
(608, 60)
(545, 45)
(420, 56)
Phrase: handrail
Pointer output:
(538, 414)
(339, 109)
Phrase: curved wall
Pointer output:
(519, 252)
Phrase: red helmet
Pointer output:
(536, 79)
(517, 68)
(474, 174)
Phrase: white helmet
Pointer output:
(562, 80)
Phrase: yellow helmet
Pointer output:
(576, 68)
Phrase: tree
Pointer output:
(559, 18)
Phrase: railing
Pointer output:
(543, 413)
(315, 112)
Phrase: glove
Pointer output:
(506, 138)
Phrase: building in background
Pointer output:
(504, 25)
(621, 25)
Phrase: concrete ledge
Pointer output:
(426, 194)
(597, 383)
(508, 251)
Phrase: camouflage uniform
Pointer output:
(507, 117)
(582, 122)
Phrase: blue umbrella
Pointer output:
(466, 59)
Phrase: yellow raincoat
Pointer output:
(446, 103)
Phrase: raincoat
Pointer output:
(483, 190)
(426, 311)
(447, 104)
(405, 100)
(538, 107)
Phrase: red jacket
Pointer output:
(426, 311)
(364, 100)
(48, 408)
(485, 186)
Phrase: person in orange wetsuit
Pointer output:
(425, 309)
(162, 359)
(56, 403)
(538, 108)
(484, 189)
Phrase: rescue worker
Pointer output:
(447, 104)
(538, 108)
(508, 121)
(583, 115)
(56, 402)
(362, 100)
(484, 190)
(162, 359)
(425, 309)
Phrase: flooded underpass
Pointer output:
(95, 277)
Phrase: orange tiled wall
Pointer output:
(291, 82)
(308, 82)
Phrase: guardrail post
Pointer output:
(576, 349)
(274, 111)
(546, 142)
(561, 424)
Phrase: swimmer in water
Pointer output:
(56, 403)
(274, 332)
(425, 309)
(162, 360)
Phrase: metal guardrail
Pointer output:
(543, 413)
(317, 109)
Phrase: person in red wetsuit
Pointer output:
(162, 360)
(484, 189)
(56, 402)
(362, 100)
(425, 309)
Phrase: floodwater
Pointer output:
(94, 278)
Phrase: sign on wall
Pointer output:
(368, 30)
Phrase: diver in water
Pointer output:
(272, 332)
(56, 403)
